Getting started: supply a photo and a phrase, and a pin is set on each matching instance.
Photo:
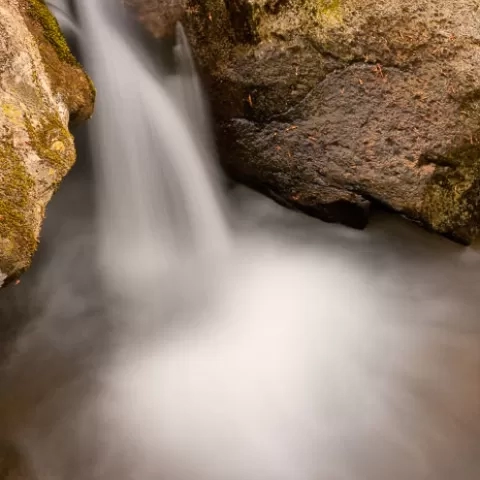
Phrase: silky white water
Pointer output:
(183, 333)
(154, 214)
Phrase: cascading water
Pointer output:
(153, 213)
(169, 344)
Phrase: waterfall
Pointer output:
(218, 347)
(158, 206)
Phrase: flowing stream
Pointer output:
(171, 329)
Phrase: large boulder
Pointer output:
(330, 105)
(42, 91)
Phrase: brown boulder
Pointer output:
(329, 105)
(43, 90)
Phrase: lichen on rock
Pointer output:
(43, 89)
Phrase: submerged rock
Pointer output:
(329, 105)
(42, 91)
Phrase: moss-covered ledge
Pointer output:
(66, 75)
(43, 90)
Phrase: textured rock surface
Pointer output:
(42, 90)
(329, 104)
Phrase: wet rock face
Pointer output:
(42, 91)
(328, 105)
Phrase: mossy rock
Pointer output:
(66, 75)
(44, 90)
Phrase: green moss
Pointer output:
(326, 7)
(452, 200)
(53, 47)
(319, 10)
(13, 113)
(17, 236)
(50, 141)
(18, 239)
(51, 30)
(93, 90)
(247, 16)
